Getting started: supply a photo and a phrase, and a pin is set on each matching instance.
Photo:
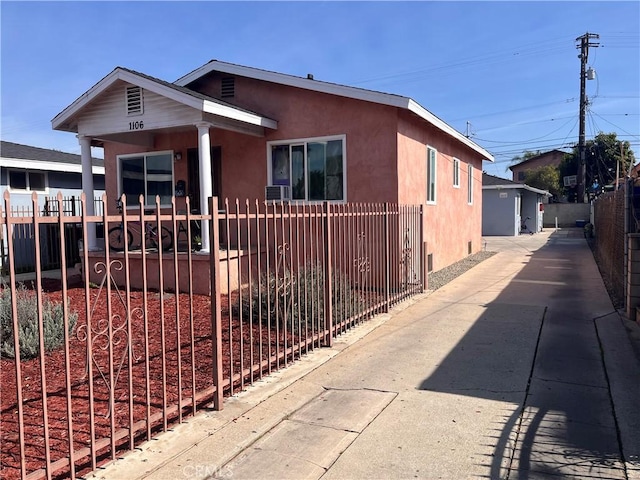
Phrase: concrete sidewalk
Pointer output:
(520, 368)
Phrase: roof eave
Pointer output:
(49, 166)
(422, 112)
(60, 122)
(518, 186)
(246, 117)
(334, 89)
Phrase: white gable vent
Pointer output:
(228, 87)
(134, 101)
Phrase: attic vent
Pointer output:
(134, 101)
(228, 88)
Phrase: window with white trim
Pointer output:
(147, 174)
(432, 158)
(313, 168)
(456, 173)
(27, 181)
(470, 184)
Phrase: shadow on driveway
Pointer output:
(537, 346)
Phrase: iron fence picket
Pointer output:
(302, 275)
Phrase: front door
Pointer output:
(193, 165)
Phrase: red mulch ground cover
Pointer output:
(164, 384)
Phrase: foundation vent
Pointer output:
(134, 101)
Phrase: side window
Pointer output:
(470, 185)
(456, 173)
(27, 181)
(432, 156)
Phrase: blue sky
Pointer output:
(510, 69)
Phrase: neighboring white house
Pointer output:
(26, 169)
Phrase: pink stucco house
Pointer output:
(232, 131)
(552, 157)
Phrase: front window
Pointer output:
(147, 174)
(431, 174)
(314, 169)
(27, 181)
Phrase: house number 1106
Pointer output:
(136, 125)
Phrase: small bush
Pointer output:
(285, 298)
(27, 306)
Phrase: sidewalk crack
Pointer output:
(518, 427)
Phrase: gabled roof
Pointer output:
(66, 120)
(16, 155)
(536, 157)
(309, 83)
(490, 182)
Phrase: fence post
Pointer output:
(328, 278)
(216, 320)
(386, 259)
(7, 220)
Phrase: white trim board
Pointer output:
(26, 164)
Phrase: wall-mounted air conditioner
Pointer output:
(277, 192)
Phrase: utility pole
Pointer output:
(585, 43)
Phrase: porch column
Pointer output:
(87, 188)
(206, 186)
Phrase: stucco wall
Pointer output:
(370, 131)
(451, 223)
(567, 214)
(499, 216)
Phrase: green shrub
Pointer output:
(285, 298)
(27, 306)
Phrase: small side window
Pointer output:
(470, 185)
(27, 181)
(37, 181)
(18, 179)
(456, 173)
(431, 174)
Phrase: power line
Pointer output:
(620, 128)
